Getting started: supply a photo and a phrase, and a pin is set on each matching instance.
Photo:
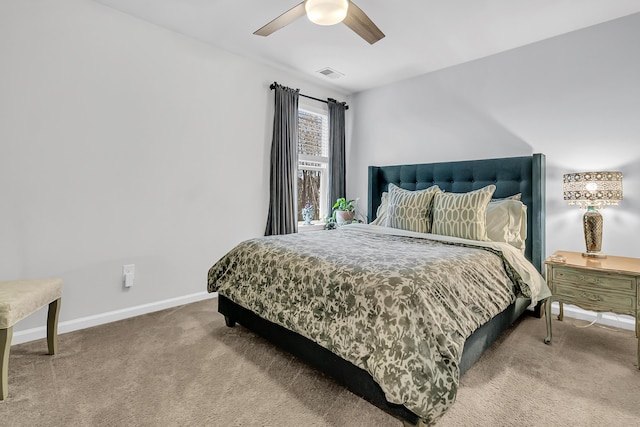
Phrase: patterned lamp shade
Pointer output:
(593, 188)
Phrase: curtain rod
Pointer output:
(346, 107)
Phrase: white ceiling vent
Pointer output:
(331, 73)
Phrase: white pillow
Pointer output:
(514, 197)
(462, 215)
(381, 213)
(507, 222)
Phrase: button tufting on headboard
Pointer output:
(525, 175)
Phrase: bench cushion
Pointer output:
(20, 298)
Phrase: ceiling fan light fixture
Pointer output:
(326, 12)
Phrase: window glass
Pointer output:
(313, 161)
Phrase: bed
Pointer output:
(523, 176)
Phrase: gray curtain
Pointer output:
(337, 170)
(282, 218)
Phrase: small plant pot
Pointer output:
(344, 217)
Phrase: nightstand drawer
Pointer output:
(616, 282)
(592, 298)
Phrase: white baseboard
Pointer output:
(609, 319)
(111, 316)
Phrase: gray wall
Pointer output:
(122, 142)
(575, 98)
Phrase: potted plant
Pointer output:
(344, 211)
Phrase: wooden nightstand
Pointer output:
(598, 284)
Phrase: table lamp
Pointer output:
(593, 190)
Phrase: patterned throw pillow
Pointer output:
(410, 210)
(462, 215)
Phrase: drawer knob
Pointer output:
(591, 297)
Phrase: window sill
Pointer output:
(315, 226)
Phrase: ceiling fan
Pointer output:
(328, 12)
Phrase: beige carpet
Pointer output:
(184, 367)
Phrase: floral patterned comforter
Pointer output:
(399, 307)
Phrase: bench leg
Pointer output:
(5, 346)
(52, 326)
(547, 313)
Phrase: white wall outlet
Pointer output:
(128, 273)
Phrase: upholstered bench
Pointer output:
(19, 299)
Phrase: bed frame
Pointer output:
(512, 175)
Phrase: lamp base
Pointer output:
(592, 224)
(594, 254)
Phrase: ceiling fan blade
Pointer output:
(282, 21)
(359, 22)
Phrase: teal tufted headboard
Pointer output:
(510, 175)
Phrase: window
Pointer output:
(313, 161)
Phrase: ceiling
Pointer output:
(421, 35)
